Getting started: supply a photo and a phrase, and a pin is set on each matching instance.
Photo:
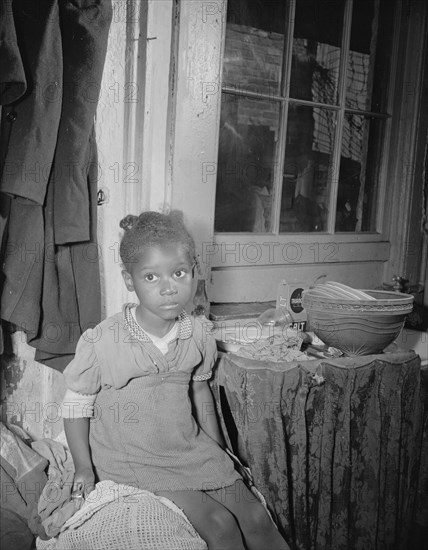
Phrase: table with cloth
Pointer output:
(338, 447)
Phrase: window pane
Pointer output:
(250, 154)
(308, 158)
(254, 46)
(359, 173)
(370, 55)
(316, 50)
(248, 135)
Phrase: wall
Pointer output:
(31, 392)
(409, 133)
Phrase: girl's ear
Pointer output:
(129, 283)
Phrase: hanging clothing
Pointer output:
(49, 87)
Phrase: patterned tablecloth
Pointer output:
(339, 448)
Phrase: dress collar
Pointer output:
(185, 328)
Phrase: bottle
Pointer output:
(200, 300)
(275, 316)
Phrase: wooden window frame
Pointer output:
(362, 259)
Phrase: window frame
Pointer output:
(363, 259)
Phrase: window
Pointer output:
(266, 193)
(304, 108)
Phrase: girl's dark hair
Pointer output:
(153, 229)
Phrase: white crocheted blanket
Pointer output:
(114, 517)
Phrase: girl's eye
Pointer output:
(150, 277)
(180, 273)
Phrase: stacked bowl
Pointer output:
(357, 322)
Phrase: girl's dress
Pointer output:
(143, 432)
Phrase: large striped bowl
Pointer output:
(358, 327)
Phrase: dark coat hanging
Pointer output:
(52, 56)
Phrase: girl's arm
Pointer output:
(77, 433)
(205, 411)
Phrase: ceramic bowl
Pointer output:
(358, 327)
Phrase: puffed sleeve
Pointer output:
(83, 381)
(82, 374)
(207, 345)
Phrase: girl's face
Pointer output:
(161, 277)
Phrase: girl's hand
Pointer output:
(83, 483)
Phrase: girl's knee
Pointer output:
(222, 520)
(222, 531)
(261, 532)
(258, 520)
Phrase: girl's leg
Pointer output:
(258, 530)
(214, 523)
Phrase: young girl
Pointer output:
(143, 374)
